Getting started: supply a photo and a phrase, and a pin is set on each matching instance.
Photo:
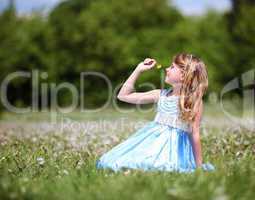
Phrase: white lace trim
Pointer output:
(172, 120)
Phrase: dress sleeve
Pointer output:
(162, 92)
(165, 91)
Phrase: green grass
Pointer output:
(42, 163)
(68, 174)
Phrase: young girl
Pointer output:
(171, 142)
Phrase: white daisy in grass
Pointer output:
(40, 160)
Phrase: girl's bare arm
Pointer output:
(127, 94)
(196, 136)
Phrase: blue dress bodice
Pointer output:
(168, 111)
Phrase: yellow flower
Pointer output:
(159, 66)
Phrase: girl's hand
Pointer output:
(147, 64)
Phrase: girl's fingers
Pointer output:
(146, 60)
(149, 63)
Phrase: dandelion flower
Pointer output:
(40, 161)
(65, 172)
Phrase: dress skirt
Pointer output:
(155, 147)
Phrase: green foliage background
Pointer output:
(112, 37)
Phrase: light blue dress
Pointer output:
(162, 144)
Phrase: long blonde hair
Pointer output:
(194, 84)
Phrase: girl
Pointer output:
(171, 142)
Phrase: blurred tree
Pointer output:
(110, 37)
(242, 30)
(24, 45)
(237, 3)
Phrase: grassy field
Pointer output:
(41, 160)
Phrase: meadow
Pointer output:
(49, 155)
(41, 160)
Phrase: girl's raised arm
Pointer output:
(126, 93)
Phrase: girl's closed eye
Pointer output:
(172, 66)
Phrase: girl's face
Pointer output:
(173, 74)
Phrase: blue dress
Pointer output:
(162, 144)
